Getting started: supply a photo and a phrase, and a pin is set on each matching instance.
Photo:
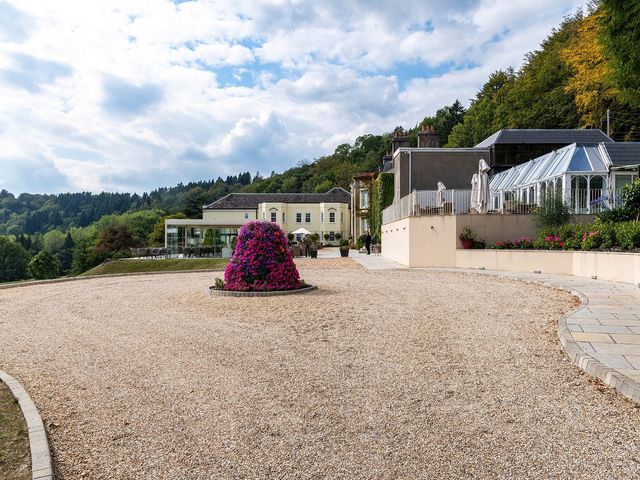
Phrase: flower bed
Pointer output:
(599, 235)
(261, 262)
(521, 244)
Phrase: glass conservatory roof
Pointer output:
(572, 159)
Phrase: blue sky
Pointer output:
(130, 95)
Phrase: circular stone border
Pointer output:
(41, 465)
(230, 293)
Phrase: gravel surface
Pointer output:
(387, 374)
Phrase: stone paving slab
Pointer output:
(374, 261)
(602, 336)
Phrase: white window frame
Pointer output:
(332, 217)
(246, 215)
(633, 176)
(332, 236)
(321, 217)
(274, 217)
(298, 217)
(364, 198)
(307, 217)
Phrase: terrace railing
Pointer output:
(428, 202)
(457, 202)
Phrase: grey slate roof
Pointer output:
(623, 153)
(542, 136)
(251, 200)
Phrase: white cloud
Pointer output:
(136, 94)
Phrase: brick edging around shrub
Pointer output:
(229, 293)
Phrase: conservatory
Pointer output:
(580, 173)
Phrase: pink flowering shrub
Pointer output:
(261, 260)
(553, 242)
(524, 243)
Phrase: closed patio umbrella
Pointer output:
(440, 195)
(482, 200)
(475, 186)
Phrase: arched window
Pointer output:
(558, 186)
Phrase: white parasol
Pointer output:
(440, 195)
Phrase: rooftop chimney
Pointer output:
(428, 137)
(400, 140)
(386, 163)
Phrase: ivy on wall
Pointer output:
(381, 198)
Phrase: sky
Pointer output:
(131, 95)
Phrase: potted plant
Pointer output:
(344, 248)
(467, 238)
(338, 236)
(326, 237)
(290, 237)
(313, 248)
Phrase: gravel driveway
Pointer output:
(387, 374)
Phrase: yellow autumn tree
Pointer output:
(590, 82)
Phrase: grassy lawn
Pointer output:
(162, 265)
(14, 441)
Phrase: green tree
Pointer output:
(53, 241)
(115, 240)
(445, 119)
(65, 255)
(44, 266)
(194, 202)
(621, 37)
(84, 256)
(208, 238)
(323, 187)
(538, 97)
(487, 112)
(14, 260)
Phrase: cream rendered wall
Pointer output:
(342, 220)
(559, 262)
(395, 241)
(612, 266)
(617, 267)
(427, 241)
(498, 228)
(228, 217)
(432, 241)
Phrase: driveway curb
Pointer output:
(41, 465)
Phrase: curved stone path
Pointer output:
(378, 374)
(602, 336)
